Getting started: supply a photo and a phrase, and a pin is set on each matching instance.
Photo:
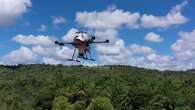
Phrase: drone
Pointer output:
(81, 43)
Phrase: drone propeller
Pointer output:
(56, 42)
(92, 37)
(59, 43)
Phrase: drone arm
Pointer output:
(106, 41)
(62, 43)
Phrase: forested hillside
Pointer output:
(46, 87)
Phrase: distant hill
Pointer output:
(49, 87)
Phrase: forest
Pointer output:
(116, 87)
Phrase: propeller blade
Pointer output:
(93, 38)
(107, 41)
(56, 42)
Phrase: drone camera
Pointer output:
(107, 41)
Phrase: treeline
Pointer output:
(47, 87)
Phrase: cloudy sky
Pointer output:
(158, 34)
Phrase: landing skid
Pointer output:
(80, 61)
(89, 59)
(73, 60)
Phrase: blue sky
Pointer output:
(163, 22)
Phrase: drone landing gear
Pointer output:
(80, 61)
(82, 56)
(73, 56)
(89, 59)
(73, 60)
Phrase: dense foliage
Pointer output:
(46, 87)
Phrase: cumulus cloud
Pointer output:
(111, 34)
(184, 47)
(53, 61)
(114, 47)
(111, 50)
(42, 28)
(158, 58)
(40, 46)
(11, 10)
(153, 37)
(69, 36)
(21, 56)
(112, 19)
(174, 17)
(43, 46)
(44, 51)
(139, 49)
(57, 20)
(179, 7)
(34, 40)
(114, 52)
(48, 54)
(183, 57)
(136, 55)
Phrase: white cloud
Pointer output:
(158, 58)
(11, 10)
(40, 47)
(38, 54)
(174, 17)
(116, 52)
(153, 37)
(111, 34)
(108, 19)
(139, 49)
(55, 52)
(57, 20)
(69, 36)
(34, 40)
(53, 61)
(42, 28)
(135, 55)
(21, 56)
(184, 47)
(44, 48)
(183, 58)
(150, 21)
(115, 44)
(179, 7)
(44, 51)
(111, 50)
